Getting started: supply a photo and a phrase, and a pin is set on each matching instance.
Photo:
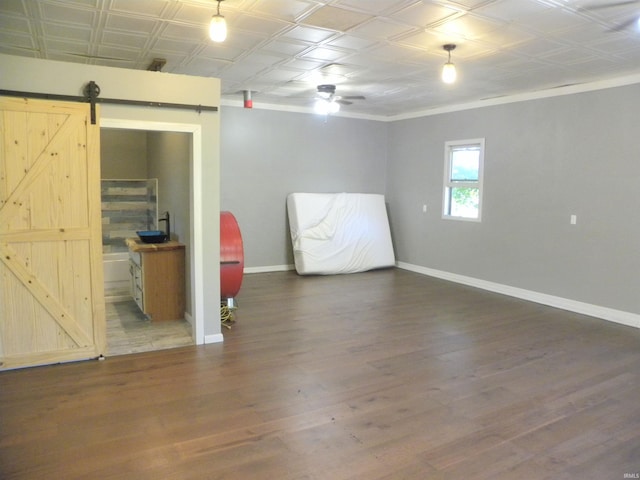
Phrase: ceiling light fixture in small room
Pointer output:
(449, 69)
(218, 26)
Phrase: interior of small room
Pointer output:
(145, 175)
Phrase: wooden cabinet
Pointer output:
(158, 278)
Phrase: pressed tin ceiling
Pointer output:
(390, 51)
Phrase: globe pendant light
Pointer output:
(449, 69)
(218, 27)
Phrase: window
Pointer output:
(463, 165)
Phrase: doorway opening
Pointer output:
(168, 156)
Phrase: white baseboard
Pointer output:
(188, 318)
(269, 268)
(215, 338)
(604, 313)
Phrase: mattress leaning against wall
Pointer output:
(335, 233)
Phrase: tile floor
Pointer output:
(130, 331)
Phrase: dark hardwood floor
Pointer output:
(379, 375)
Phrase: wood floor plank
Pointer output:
(380, 375)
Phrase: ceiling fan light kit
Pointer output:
(327, 102)
(326, 107)
(218, 26)
(449, 73)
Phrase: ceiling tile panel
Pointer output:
(304, 65)
(507, 37)
(287, 47)
(471, 4)
(174, 45)
(351, 42)
(289, 10)
(106, 51)
(553, 20)
(64, 46)
(151, 8)
(16, 24)
(510, 10)
(421, 14)
(377, 7)
(469, 27)
(64, 14)
(279, 75)
(612, 45)
(130, 23)
(342, 69)
(568, 56)
(382, 29)
(538, 48)
(15, 7)
(67, 32)
(333, 18)
(245, 40)
(264, 59)
(227, 52)
(204, 67)
(308, 34)
(261, 26)
(193, 14)
(173, 30)
(17, 40)
(120, 38)
(324, 54)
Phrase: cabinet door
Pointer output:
(137, 290)
(51, 280)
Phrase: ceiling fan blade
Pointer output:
(354, 97)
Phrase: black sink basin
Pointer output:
(152, 236)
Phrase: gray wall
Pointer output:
(268, 154)
(123, 154)
(169, 160)
(544, 160)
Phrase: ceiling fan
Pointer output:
(635, 19)
(328, 102)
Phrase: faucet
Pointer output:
(166, 218)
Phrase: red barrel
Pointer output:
(231, 256)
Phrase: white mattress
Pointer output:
(339, 232)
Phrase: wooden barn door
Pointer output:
(51, 281)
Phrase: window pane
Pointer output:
(465, 164)
(464, 202)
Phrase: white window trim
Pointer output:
(447, 184)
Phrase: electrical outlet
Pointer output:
(574, 219)
(424, 208)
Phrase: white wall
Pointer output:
(35, 75)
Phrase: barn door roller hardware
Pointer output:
(91, 92)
